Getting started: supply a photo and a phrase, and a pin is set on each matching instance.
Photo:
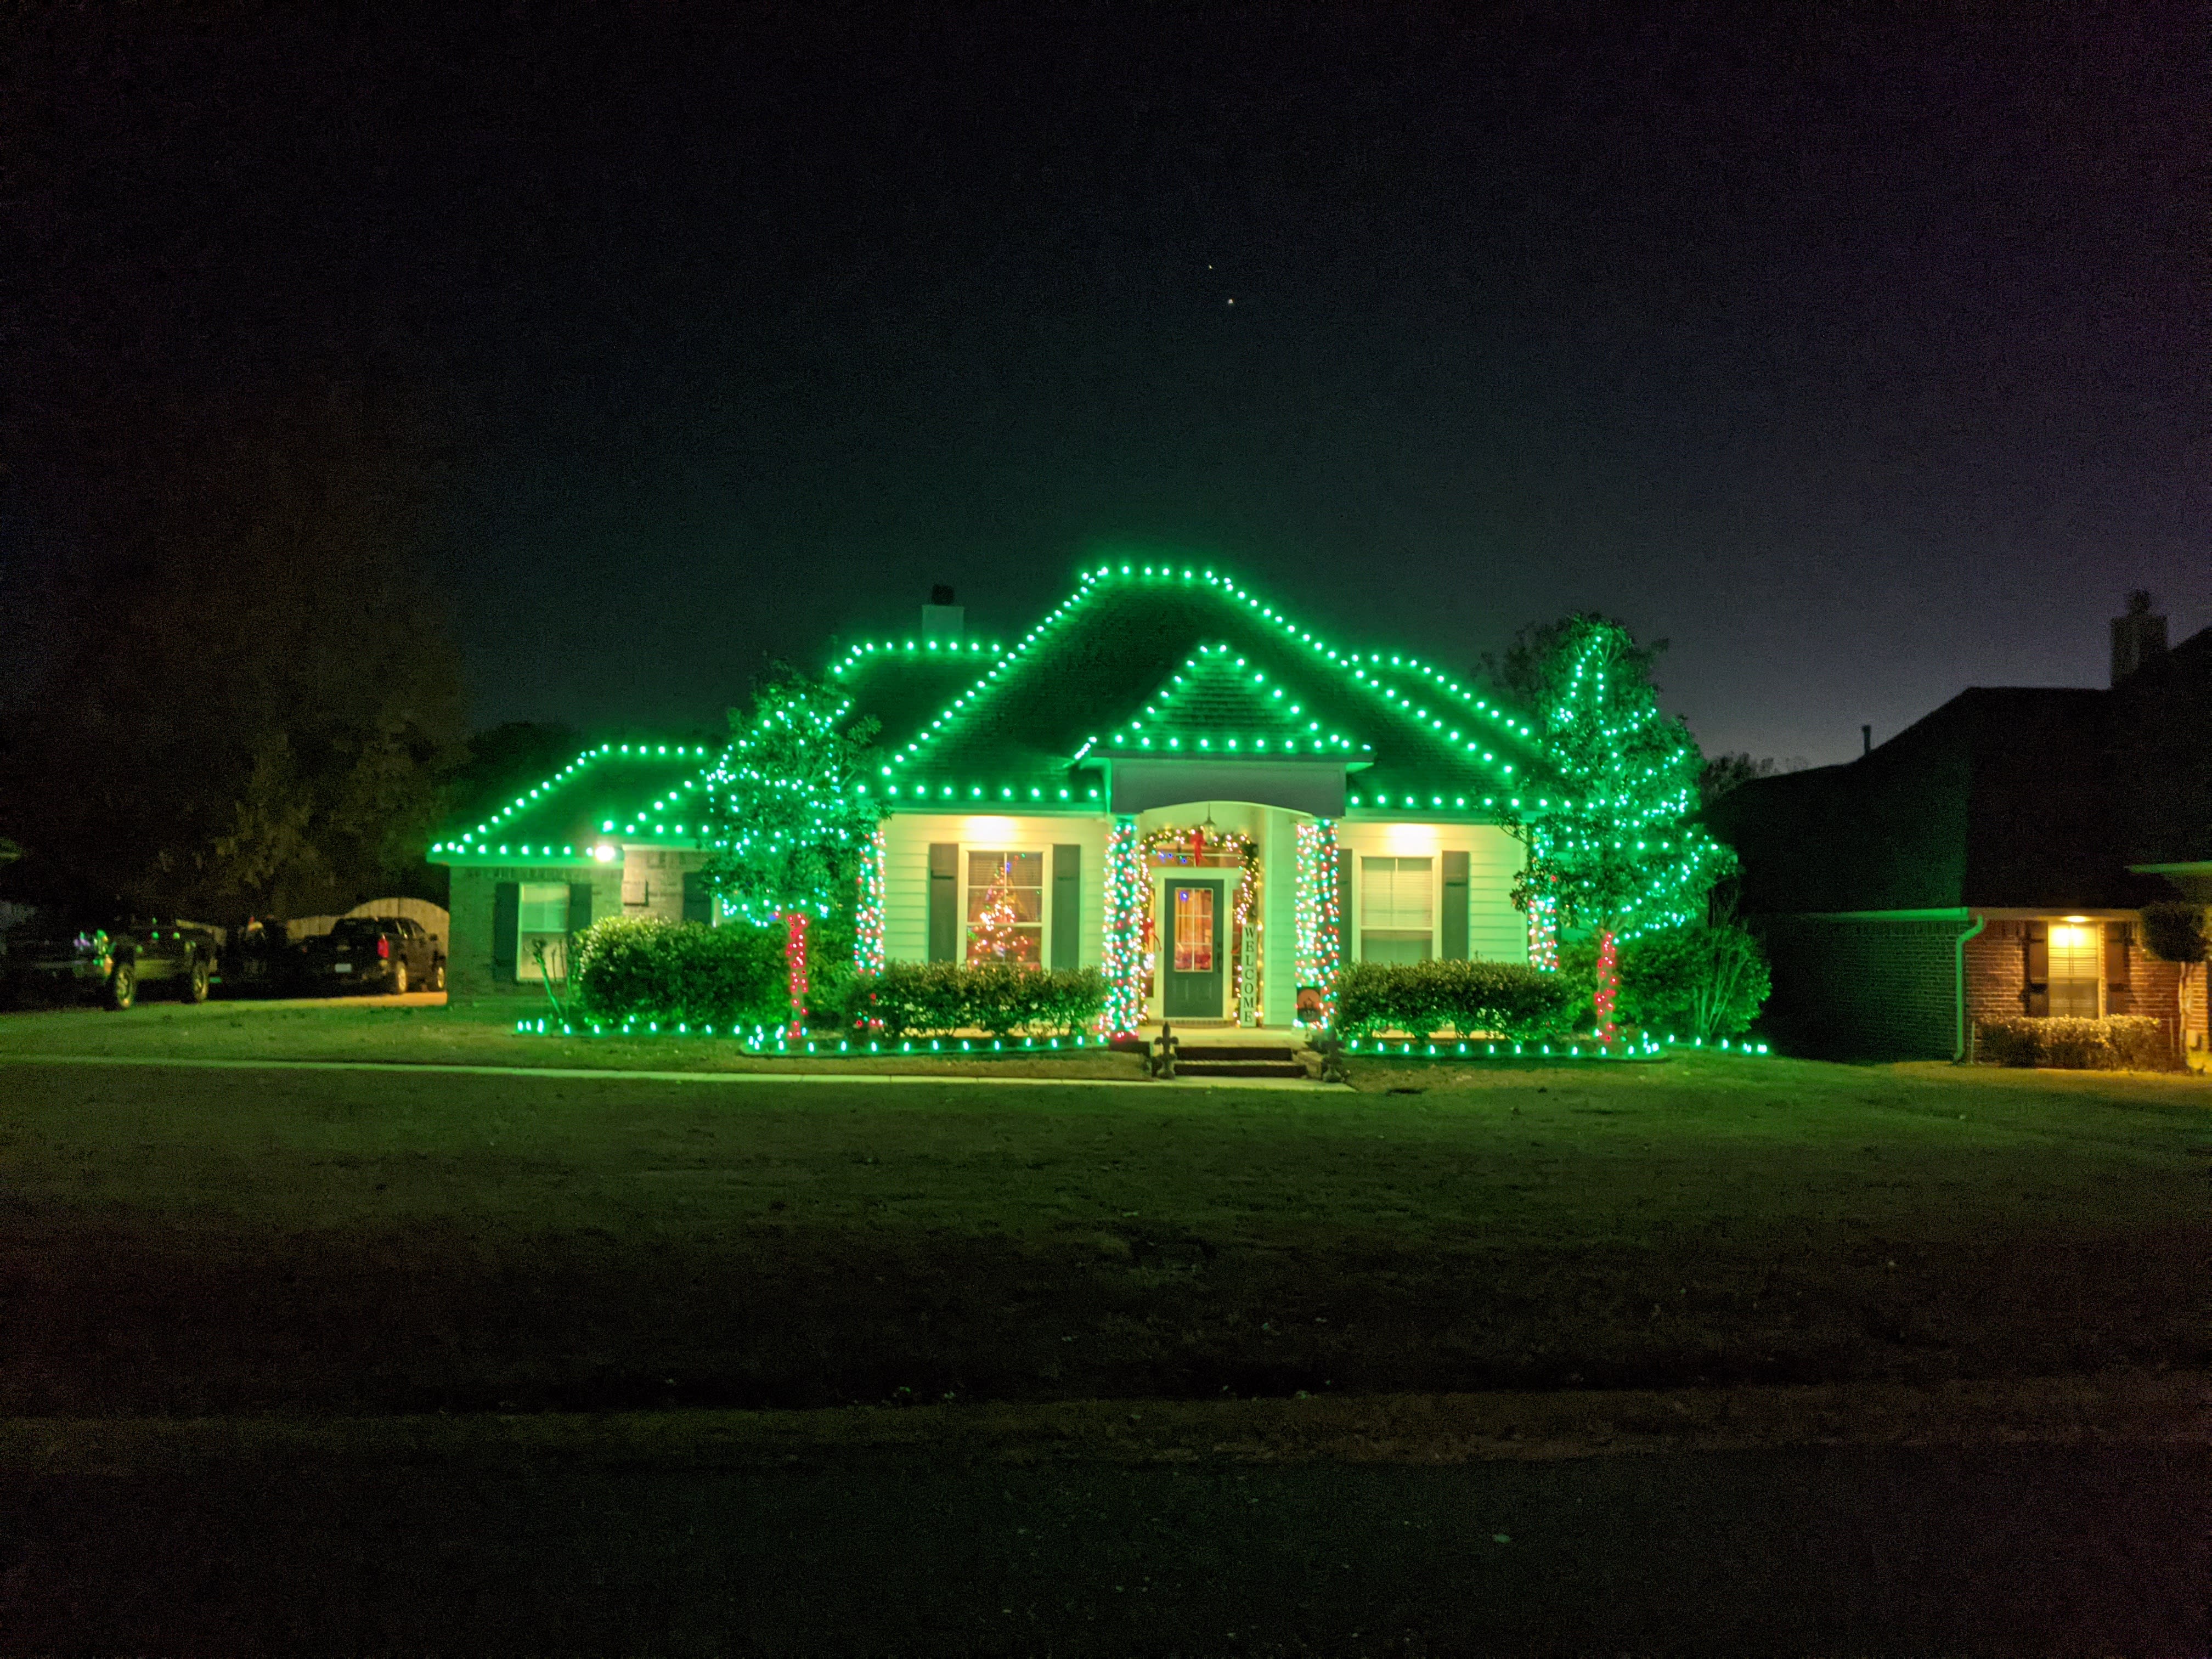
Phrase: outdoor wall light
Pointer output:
(603, 852)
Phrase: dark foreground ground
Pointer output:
(288, 1256)
(192, 1241)
(2019, 1550)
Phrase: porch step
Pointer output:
(1237, 1059)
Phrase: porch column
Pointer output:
(1278, 918)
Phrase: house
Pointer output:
(1171, 780)
(1991, 860)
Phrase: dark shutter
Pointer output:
(2038, 967)
(944, 901)
(1344, 905)
(698, 897)
(579, 906)
(505, 922)
(1454, 930)
(2119, 975)
(1067, 907)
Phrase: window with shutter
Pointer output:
(1396, 910)
(2073, 969)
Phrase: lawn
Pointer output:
(200, 1239)
(415, 1031)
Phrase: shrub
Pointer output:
(2173, 930)
(1698, 981)
(645, 968)
(2118, 1042)
(998, 997)
(1466, 997)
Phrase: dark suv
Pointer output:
(382, 953)
(107, 956)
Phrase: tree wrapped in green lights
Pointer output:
(1613, 850)
(789, 814)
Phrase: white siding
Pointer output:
(906, 839)
(1496, 931)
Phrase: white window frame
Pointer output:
(2095, 930)
(1433, 859)
(556, 940)
(1044, 892)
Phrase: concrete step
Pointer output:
(1279, 1068)
(1234, 1051)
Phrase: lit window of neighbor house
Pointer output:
(2075, 969)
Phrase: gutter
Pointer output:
(1958, 983)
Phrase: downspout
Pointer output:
(1958, 984)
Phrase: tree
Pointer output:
(254, 697)
(788, 814)
(996, 931)
(1614, 850)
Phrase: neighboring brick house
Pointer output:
(1991, 860)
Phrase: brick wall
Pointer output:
(1996, 971)
(469, 975)
(1871, 990)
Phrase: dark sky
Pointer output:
(1860, 354)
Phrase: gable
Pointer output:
(1189, 659)
(631, 793)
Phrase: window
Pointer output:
(2073, 969)
(543, 908)
(541, 917)
(1194, 930)
(1005, 906)
(1396, 905)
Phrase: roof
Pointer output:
(1164, 660)
(2004, 798)
(635, 793)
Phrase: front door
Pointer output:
(1192, 945)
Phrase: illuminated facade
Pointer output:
(1166, 779)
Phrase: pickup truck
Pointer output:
(108, 955)
(374, 953)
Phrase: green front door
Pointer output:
(1194, 946)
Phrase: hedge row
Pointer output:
(1466, 997)
(645, 968)
(2133, 1042)
(997, 997)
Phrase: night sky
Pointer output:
(1861, 358)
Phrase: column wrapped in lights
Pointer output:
(1127, 902)
(868, 920)
(1320, 927)
(1543, 931)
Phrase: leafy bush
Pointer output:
(645, 968)
(1466, 997)
(1698, 980)
(2173, 930)
(997, 997)
(2133, 1043)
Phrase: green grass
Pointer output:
(201, 1240)
(482, 1034)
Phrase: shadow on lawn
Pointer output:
(106, 1320)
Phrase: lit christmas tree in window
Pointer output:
(997, 934)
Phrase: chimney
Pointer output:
(2136, 637)
(1866, 739)
(942, 621)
